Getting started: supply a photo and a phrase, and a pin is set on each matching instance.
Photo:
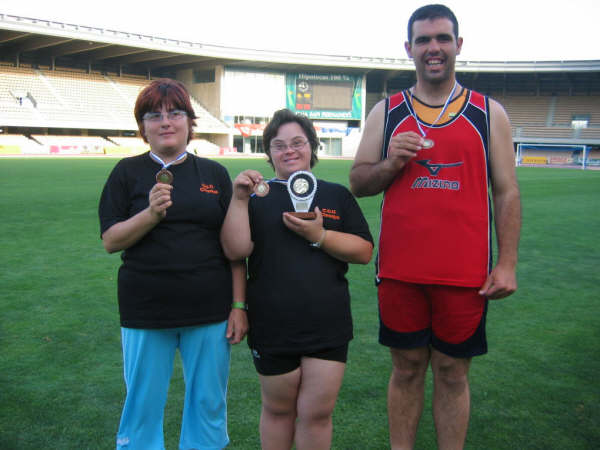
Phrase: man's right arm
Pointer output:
(370, 174)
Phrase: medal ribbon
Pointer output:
(414, 114)
(156, 158)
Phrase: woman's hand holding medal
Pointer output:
(249, 182)
(160, 199)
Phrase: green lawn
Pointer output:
(61, 384)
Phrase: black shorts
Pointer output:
(278, 364)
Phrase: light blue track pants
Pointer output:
(148, 357)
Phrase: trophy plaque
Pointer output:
(302, 186)
(164, 176)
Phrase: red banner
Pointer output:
(247, 128)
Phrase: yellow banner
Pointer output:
(534, 160)
(10, 150)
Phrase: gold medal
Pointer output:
(164, 176)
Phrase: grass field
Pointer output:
(61, 384)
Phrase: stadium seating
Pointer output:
(544, 117)
(526, 110)
(43, 99)
(70, 99)
(549, 117)
(569, 106)
(542, 132)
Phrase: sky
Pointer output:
(500, 30)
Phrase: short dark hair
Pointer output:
(163, 91)
(431, 12)
(282, 117)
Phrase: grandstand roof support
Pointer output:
(570, 80)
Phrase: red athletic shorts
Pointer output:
(449, 318)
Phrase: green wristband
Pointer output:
(239, 305)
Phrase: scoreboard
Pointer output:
(325, 96)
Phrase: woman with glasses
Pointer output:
(298, 299)
(163, 211)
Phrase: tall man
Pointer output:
(435, 150)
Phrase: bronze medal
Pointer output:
(164, 176)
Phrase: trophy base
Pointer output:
(304, 215)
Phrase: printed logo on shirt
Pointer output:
(208, 188)
(330, 213)
(436, 183)
(255, 353)
(434, 169)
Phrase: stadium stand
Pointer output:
(72, 144)
(203, 147)
(551, 117)
(542, 132)
(11, 144)
(526, 110)
(86, 84)
(590, 133)
(546, 117)
(567, 108)
(70, 99)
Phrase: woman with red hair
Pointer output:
(163, 211)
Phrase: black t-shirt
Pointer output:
(298, 298)
(177, 274)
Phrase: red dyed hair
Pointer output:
(164, 91)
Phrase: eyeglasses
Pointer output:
(174, 115)
(280, 146)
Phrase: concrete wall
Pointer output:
(208, 94)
